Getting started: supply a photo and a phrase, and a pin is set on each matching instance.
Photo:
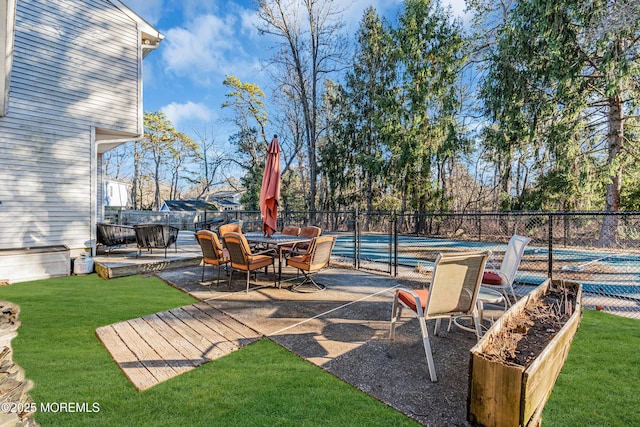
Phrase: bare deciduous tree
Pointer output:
(210, 160)
(310, 47)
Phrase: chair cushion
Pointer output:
(218, 261)
(408, 299)
(215, 261)
(300, 261)
(490, 278)
(259, 261)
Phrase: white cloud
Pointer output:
(458, 8)
(149, 73)
(199, 47)
(249, 23)
(180, 114)
(149, 10)
(188, 9)
(206, 49)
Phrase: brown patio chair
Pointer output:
(243, 259)
(313, 260)
(212, 251)
(310, 231)
(302, 247)
(453, 292)
(234, 227)
(291, 230)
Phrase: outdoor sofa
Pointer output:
(156, 236)
(112, 235)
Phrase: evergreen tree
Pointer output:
(355, 158)
(561, 85)
(431, 54)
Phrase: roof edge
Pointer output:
(151, 37)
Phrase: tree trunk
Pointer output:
(135, 192)
(608, 235)
(156, 199)
(505, 177)
(312, 175)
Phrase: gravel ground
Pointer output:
(396, 373)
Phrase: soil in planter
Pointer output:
(525, 335)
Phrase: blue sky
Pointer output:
(206, 39)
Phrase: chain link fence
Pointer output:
(598, 250)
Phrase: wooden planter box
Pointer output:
(43, 262)
(502, 394)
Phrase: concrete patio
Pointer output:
(344, 329)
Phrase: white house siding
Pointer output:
(76, 66)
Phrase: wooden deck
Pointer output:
(124, 261)
(158, 347)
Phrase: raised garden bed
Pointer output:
(513, 368)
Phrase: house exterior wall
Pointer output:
(76, 68)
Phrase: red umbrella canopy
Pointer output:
(270, 192)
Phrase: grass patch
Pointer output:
(261, 384)
(598, 385)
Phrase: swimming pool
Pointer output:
(599, 271)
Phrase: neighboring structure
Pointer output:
(71, 90)
(227, 200)
(187, 206)
(116, 194)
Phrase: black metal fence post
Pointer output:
(395, 244)
(550, 261)
(356, 239)
(390, 238)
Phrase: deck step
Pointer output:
(125, 261)
(110, 269)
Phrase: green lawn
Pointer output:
(599, 384)
(262, 384)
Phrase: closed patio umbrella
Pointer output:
(270, 191)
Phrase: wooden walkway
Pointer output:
(158, 347)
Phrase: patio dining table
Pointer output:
(279, 241)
